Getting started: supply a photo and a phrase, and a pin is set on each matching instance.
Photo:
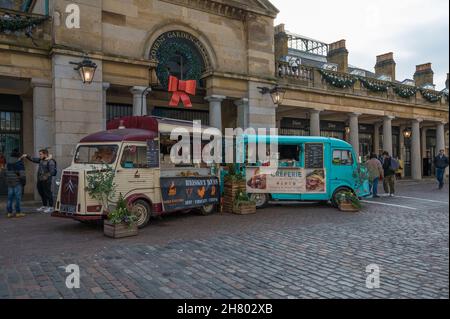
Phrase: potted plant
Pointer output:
(234, 184)
(348, 202)
(243, 205)
(121, 222)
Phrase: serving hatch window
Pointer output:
(96, 154)
(134, 157)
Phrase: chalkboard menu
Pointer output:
(153, 154)
(314, 156)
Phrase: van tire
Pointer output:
(141, 209)
(261, 200)
(334, 200)
(208, 210)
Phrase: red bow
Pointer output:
(180, 90)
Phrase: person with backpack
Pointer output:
(441, 164)
(46, 171)
(390, 167)
(15, 176)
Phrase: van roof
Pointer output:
(299, 139)
(120, 135)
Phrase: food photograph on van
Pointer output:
(230, 157)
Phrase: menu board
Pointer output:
(153, 154)
(314, 157)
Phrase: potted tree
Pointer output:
(121, 222)
(243, 205)
(348, 202)
(234, 184)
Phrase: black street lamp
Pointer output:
(407, 133)
(276, 93)
(86, 68)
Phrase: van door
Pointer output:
(342, 169)
(133, 175)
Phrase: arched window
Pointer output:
(179, 54)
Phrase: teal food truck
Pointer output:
(309, 169)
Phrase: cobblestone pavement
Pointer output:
(298, 251)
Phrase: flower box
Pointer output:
(119, 230)
(230, 192)
(245, 209)
(348, 207)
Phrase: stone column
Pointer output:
(43, 129)
(215, 110)
(387, 135)
(315, 122)
(416, 159)
(106, 86)
(402, 154)
(440, 138)
(242, 113)
(28, 143)
(354, 132)
(140, 100)
(376, 139)
(423, 142)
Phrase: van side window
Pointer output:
(342, 157)
(134, 157)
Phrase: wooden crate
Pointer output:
(245, 209)
(119, 231)
(230, 192)
(348, 207)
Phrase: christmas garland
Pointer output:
(17, 23)
(167, 52)
(373, 86)
(405, 92)
(338, 81)
(430, 96)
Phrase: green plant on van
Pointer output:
(361, 175)
(101, 186)
(234, 175)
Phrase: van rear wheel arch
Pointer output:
(339, 190)
(142, 209)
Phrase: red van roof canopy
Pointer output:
(124, 135)
(137, 122)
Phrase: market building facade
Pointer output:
(233, 53)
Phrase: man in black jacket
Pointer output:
(441, 163)
(46, 172)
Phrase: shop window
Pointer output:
(134, 157)
(342, 157)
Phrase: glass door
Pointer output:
(10, 139)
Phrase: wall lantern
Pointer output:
(86, 68)
(348, 130)
(276, 93)
(407, 133)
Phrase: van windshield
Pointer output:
(96, 154)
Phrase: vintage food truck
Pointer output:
(138, 150)
(309, 169)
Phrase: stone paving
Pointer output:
(298, 251)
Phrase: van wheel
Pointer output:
(208, 210)
(141, 209)
(261, 200)
(340, 190)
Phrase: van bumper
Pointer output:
(79, 217)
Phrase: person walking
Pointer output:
(441, 163)
(15, 176)
(390, 166)
(376, 173)
(46, 171)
